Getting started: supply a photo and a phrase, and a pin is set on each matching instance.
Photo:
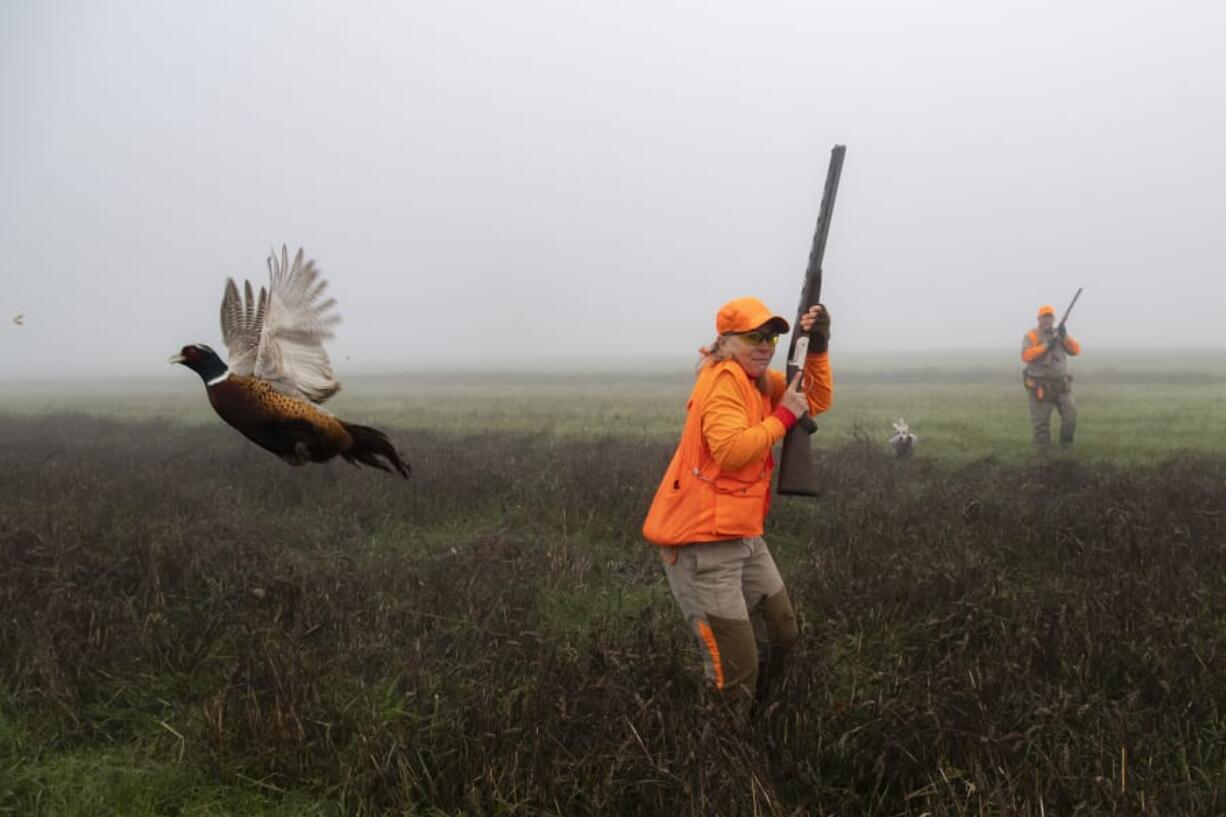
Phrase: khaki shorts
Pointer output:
(725, 579)
(733, 597)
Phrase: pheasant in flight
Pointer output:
(279, 372)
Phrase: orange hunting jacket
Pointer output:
(718, 483)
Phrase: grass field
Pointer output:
(1134, 407)
(190, 627)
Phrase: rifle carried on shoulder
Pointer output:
(797, 473)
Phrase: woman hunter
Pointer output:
(708, 513)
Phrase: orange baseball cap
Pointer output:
(746, 315)
(1046, 309)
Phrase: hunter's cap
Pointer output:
(746, 315)
(1046, 309)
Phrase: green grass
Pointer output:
(142, 778)
(1136, 421)
(1124, 423)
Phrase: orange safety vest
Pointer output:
(1033, 348)
(699, 501)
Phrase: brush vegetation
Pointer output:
(188, 626)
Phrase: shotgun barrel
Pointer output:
(1060, 326)
(797, 473)
(1070, 307)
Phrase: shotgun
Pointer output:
(797, 474)
(1070, 309)
(1060, 326)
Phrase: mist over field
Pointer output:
(537, 185)
(529, 214)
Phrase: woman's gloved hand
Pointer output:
(817, 323)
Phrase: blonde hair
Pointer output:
(717, 352)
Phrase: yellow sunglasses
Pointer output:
(758, 336)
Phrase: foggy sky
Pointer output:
(530, 183)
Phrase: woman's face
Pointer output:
(753, 357)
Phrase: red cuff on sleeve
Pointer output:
(784, 416)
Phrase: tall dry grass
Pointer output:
(494, 638)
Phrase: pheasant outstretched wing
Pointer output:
(241, 318)
(294, 322)
(278, 335)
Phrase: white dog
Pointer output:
(903, 440)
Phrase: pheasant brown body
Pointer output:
(286, 426)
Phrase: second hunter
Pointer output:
(1045, 350)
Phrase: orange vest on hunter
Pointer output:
(1046, 360)
(701, 501)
